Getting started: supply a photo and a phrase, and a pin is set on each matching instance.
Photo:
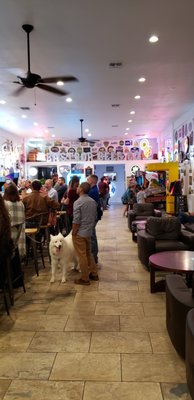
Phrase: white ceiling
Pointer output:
(81, 38)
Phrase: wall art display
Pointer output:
(105, 150)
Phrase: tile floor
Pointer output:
(107, 341)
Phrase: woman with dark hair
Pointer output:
(5, 230)
(16, 212)
(68, 201)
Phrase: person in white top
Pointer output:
(140, 195)
(52, 193)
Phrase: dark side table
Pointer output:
(180, 261)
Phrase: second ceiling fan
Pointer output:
(82, 139)
(34, 80)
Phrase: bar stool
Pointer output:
(34, 236)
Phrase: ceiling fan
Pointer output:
(82, 139)
(34, 80)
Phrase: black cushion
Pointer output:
(164, 228)
(143, 209)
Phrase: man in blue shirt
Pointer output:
(84, 219)
(94, 194)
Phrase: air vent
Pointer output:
(50, 127)
(140, 135)
(115, 105)
(25, 108)
(114, 65)
(115, 126)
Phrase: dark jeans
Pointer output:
(185, 218)
(94, 244)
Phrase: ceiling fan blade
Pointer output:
(55, 79)
(18, 91)
(52, 89)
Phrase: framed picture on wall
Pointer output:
(88, 171)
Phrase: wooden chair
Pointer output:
(34, 237)
(17, 273)
(12, 274)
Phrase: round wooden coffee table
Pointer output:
(180, 261)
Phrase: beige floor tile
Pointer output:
(140, 297)
(175, 391)
(93, 323)
(60, 342)
(144, 286)
(122, 391)
(26, 365)
(119, 308)
(143, 324)
(154, 309)
(15, 341)
(107, 275)
(133, 276)
(120, 342)
(152, 368)
(161, 343)
(40, 323)
(76, 308)
(42, 390)
(83, 366)
(97, 295)
(29, 307)
(4, 384)
(118, 285)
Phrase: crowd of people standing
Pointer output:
(83, 203)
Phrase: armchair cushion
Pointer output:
(143, 209)
(164, 228)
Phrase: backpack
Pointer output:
(126, 196)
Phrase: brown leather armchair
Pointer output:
(179, 302)
(142, 212)
(162, 234)
(189, 359)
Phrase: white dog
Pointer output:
(62, 254)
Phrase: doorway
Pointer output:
(116, 175)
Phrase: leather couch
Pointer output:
(162, 234)
(141, 212)
(189, 359)
(179, 302)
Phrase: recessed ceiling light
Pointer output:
(142, 79)
(89, 134)
(126, 133)
(153, 39)
(132, 112)
(53, 135)
(35, 124)
(46, 130)
(24, 116)
(60, 83)
(137, 97)
(86, 130)
(127, 129)
(68, 99)
(2, 101)
(130, 120)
